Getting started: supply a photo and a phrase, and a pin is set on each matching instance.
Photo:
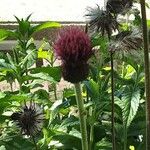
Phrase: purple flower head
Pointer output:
(74, 48)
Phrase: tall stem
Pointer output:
(11, 86)
(124, 137)
(147, 77)
(91, 137)
(36, 148)
(112, 103)
(82, 116)
(55, 92)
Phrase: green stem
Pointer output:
(82, 116)
(11, 86)
(91, 137)
(112, 103)
(20, 86)
(147, 77)
(36, 148)
(26, 72)
(92, 115)
(55, 92)
(87, 96)
(125, 138)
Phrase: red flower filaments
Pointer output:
(74, 48)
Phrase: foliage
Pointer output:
(61, 129)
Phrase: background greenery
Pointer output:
(61, 124)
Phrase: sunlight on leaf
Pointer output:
(132, 148)
(46, 25)
(5, 33)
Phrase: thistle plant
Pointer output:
(102, 21)
(119, 6)
(105, 23)
(127, 41)
(74, 48)
(29, 119)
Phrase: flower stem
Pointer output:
(55, 92)
(91, 137)
(82, 116)
(147, 74)
(36, 148)
(124, 137)
(112, 103)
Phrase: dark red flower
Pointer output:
(74, 48)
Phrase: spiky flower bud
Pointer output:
(127, 41)
(102, 21)
(29, 119)
(74, 48)
(119, 6)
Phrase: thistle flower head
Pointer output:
(127, 41)
(102, 21)
(119, 6)
(114, 6)
(29, 119)
(74, 48)
(73, 45)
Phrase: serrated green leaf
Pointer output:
(70, 122)
(129, 104)
(54, 72)
(104, 144)
(42, 76)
